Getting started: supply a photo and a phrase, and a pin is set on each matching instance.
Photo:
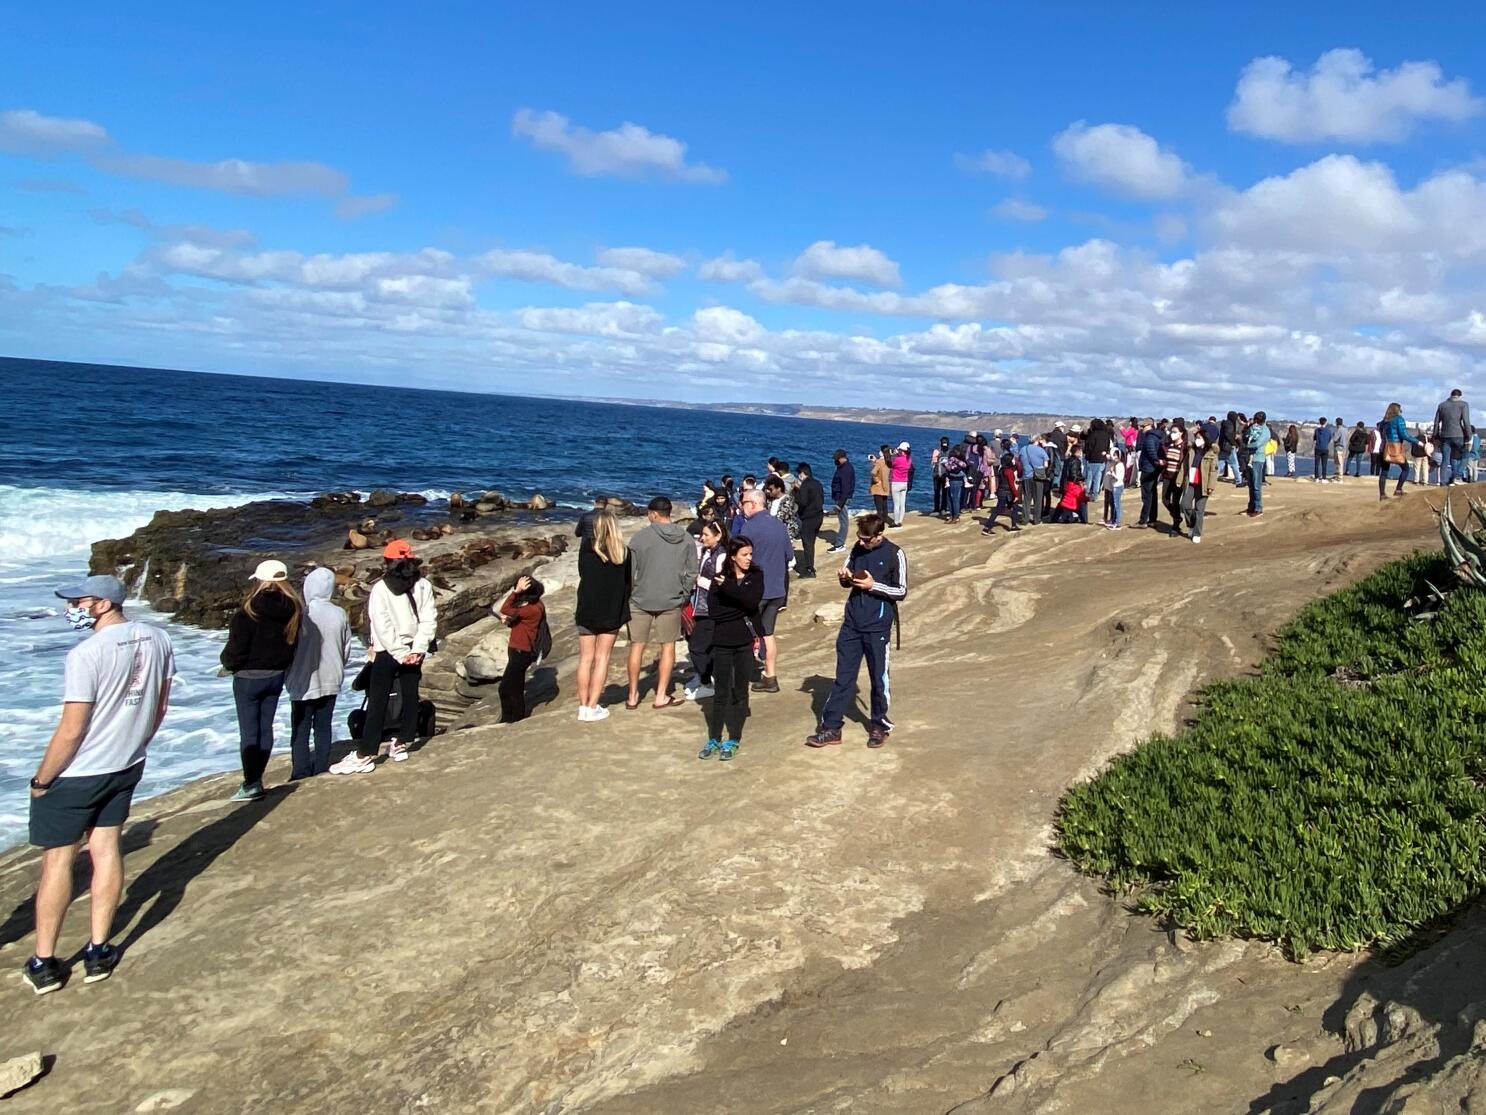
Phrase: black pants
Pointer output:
(732, 670)
(257, 701)
(1171, 499)
(1148, 496)
(809, 532)
(386, 672)
(513, 685)
(316, 713)
(699, 646)
(939, 500)
(880, 502)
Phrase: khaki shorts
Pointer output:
(654, 627)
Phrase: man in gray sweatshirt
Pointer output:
(663, 561)
(1452, 426)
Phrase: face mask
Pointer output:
(80, 618)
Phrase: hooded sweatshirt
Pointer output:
(664, 562)
(324, 645)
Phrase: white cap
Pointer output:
(997, 433)
(1077, 428)
(904, 445)
(1058, 425)
(271, 570)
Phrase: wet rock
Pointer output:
(167, 604)
(381, 498)
(17, 1072)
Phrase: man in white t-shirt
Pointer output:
(116, 689)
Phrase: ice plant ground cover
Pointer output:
(1332, 801)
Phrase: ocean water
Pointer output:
(174, 440)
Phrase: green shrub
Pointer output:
(1333, 801)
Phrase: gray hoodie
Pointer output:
(324, 645)
(664, 560)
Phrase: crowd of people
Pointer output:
(720, 584)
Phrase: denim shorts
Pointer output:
(73, 806)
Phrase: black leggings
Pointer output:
(257, 700)
(880, 502)
(1403, 474)
(386, 672)
(513, 685)
(732, 670)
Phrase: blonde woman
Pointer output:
(259, 651)
(604, 583)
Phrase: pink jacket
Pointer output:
(900, 466)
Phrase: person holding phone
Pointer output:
(876, 573)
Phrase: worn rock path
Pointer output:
(582, 917)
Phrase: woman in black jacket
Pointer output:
(603, 608)
(259, 650)
(732, 604)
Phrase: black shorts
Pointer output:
(768, 615)
(64, 814)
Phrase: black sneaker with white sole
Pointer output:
(99, 962)
(45, 976)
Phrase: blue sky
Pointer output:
(936, 205)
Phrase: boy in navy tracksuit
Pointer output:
(877, 573)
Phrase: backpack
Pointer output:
(544, 640)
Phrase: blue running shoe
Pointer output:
(712, 748)
(728, 749)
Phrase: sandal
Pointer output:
(631, 707)
(671, 702)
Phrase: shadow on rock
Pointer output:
(1408, 1031)
(163, 884)
(22, 920)
(819, 688)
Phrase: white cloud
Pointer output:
(25, 131)
(1006, 164)
(724, 325)
(826, 260)
(657, 265)
(628, 151)
(1345, 98)
(232, 176)
(597, 319)
(539, 267)
(350, 208)
(726, 269)
(1121, 158)
(1017, 209)
(1340, 204)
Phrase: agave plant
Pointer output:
(1463, 545)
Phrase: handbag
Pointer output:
(1393, 453)
(688, 618)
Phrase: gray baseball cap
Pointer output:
(101, 586)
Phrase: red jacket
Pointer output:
(524, 622)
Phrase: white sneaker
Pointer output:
(353, 764)
(700, 693)
(1196, 539)
(598, 712)
(585, 713)
(397, 752)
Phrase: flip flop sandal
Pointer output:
(671, 702)
(632, 707)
